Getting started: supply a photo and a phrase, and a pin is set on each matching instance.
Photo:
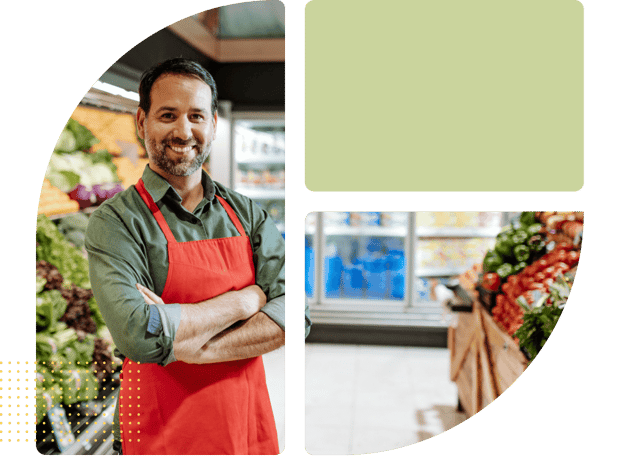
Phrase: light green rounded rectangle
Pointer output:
(452, 95)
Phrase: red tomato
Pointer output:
(550, 271)
(551, 259)
(491, 281)
(527, 281)
(548, 283)
(561, 255)
(564, 246)
(506, 288)
(539, 277)
(531, 270)
(573, 257)
(564, 267)
(542, 264)
(513, 280)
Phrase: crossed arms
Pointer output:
(234, 325)
(225, 328)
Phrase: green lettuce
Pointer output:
(54, 248)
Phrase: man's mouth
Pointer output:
(181, 149)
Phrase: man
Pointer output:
(189, 277)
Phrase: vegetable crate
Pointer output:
(484, 359)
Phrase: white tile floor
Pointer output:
(364, 399)
(274, 371)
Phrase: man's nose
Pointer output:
(182, 128)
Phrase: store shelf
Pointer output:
(380, 315)
(470, 232)
(261, 160)
(262, 193)
(366, 231)
(87, 420)
(87, 211)
(439, 272)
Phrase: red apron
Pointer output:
(220, 408)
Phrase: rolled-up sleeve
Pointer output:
(141, 332)
(269, 260)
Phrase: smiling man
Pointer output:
(189, 277)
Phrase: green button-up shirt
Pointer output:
(126, 246)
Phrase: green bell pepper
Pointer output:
(519, 267)
(533, 229)
(492, 261)
(504, 245)
(520, 237)
(537, 244)
(505, 270)
(522, 253)
(527, 218)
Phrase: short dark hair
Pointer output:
(174, 66)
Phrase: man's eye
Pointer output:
(167, 115)
(197, 117)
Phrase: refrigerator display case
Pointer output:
(382, 268)
(309, 255)
(258, 160)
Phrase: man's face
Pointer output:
(179, 127)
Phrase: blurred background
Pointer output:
(417, 323)
(99, 154)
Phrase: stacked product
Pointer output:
(73, 346)
(87, 176)
(527, 276)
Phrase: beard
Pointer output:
(181, 166)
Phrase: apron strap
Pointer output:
(155, 211)
(232, 215)
(164, 225)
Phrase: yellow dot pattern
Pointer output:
(16, 401)
(130, 414)
(19, 411)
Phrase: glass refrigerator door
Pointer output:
(258, 160)
(448, 244)
(364, 258)
(310, 239)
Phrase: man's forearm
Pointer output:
(205, 320)
(247, 339)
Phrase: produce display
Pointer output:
(73, 346)
(540, 319)
(54, 201)
(87, 176)
(530, 270)
(516, 247)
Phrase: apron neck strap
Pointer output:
(232, 215)
(164, 225)
(155, 210)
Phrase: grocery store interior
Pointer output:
(98, 155)
(421, 319)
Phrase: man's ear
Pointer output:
(141, 118)
(215, 125)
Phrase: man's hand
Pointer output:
(149, 296)
(252, 298)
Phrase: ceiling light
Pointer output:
(116, 90)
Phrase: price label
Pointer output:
(61, 428)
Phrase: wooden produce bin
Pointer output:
(484, 360)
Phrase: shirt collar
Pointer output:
(157, 186)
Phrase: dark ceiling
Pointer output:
(249, 86)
